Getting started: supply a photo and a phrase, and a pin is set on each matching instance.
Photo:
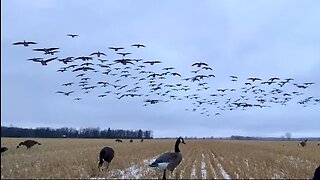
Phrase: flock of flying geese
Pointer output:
(127, 77)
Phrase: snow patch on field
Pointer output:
(222, 171)
(203, 168)
(134, 171)
(193, 171)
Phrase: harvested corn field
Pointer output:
(202, 159)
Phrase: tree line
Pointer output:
(65, 132)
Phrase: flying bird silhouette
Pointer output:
(72, 35)
(138, 45)
(24, 43)
(116, 48)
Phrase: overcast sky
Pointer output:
(267, 38)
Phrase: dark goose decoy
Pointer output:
(169, 160)
(28, 143)
(4, 149)
(106, 154)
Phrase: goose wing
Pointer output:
(18, 43)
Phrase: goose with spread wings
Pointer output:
(199, 64)
(43, 62)
(116, 48)
(24, 43)
(72, 35)
(138, 45)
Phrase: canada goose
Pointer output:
(98, 54)
(84, 58)
(116, 48)
(65, 93)
(303, 143)
(118, 140)
(24, 43)
(83, 69)
(316, 175)
(199, 64)
(169, 160)
(124, 61)
(254, 79)
(152, 62)
(46, 50)
(4, 149)
(43, 62)
(124, 53)
(138, 45)
(106, 154)
(28, 143)
(72, 35)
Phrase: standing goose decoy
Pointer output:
(28, 143)
(4, 149)
(169, 160)
(106, 154)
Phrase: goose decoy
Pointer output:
(169, 160)
(106, 154)
(4, 149)
(28, 143)
(24, 43)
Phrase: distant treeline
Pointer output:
(46, 132)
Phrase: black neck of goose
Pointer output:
(176, 147)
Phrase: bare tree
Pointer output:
(288, 135)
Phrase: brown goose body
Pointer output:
(106, 155)
(28, 143)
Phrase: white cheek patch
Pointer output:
(163, 166)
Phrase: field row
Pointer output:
(77, 158)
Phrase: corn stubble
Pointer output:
(78, 158)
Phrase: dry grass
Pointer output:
(77, 158)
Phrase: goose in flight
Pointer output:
(83, 58)
(68, 84)
(98, 54)
(273, 78)
(116, 48)
(199, 64)
(254, 79)
(138, 45)
(124, 61)
(46, 50)
(43, 62)
(65, 93)
(152, 62)
(124, 53)
(72, 35)
(103, 60)
(24, 43)
(83, 69)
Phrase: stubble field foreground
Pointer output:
(206, 159)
